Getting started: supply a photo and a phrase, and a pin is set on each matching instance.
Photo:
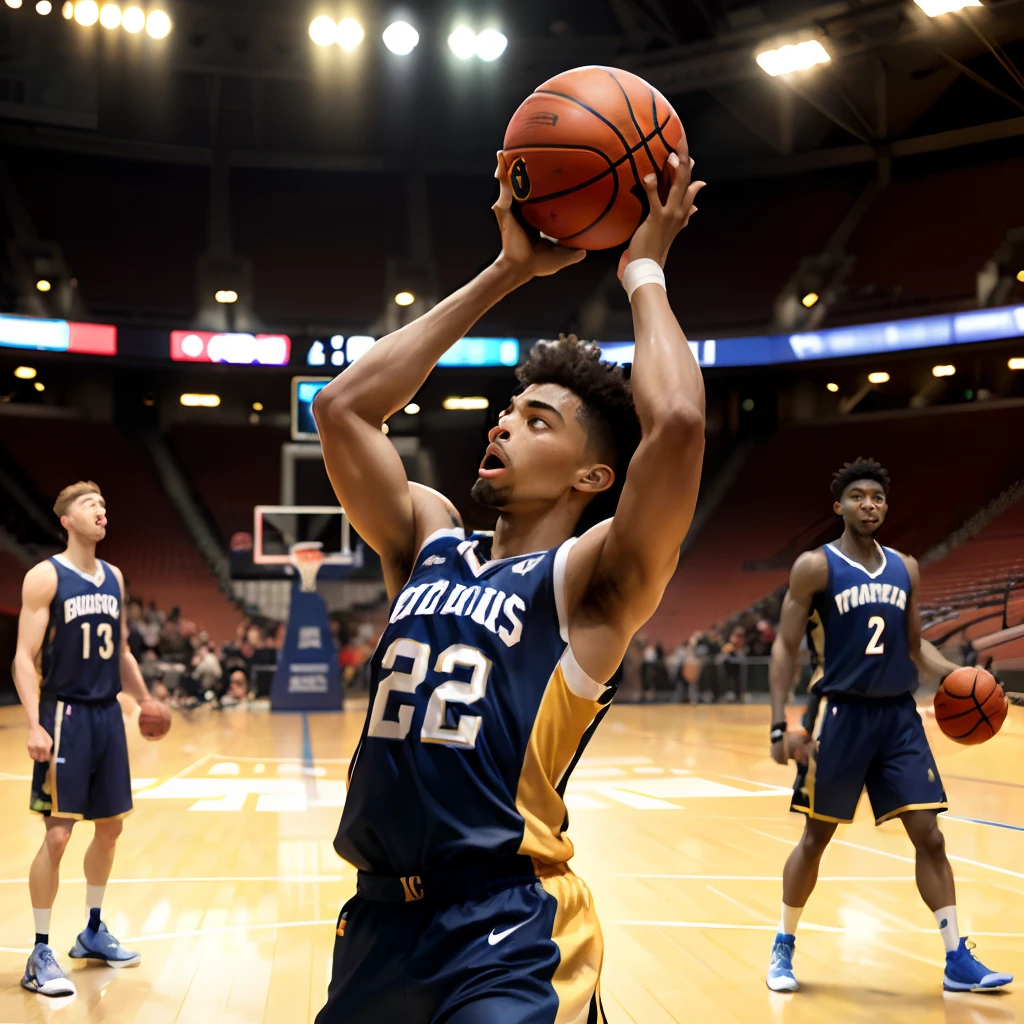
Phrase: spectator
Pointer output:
(648, 671)
(149, 628)
(136, 642)
(238, 690)
(206, 672)
(173, 646)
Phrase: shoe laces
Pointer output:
(46, 957)
(782, 955)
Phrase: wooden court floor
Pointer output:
(227, 883)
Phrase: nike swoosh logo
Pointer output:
(495, 937)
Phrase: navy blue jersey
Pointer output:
(81, 653)
(858, 628)
(478, 713)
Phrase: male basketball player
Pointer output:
(492, 673)
(857, 602)
(72, 635)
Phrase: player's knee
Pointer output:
(930, 842)
(57, 839)
(108, 832)
(814, 842)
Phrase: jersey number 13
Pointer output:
(104, 638)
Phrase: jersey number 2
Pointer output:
(104, 633)
(452, 691)
(877, 623)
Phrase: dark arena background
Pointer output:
(210, 209)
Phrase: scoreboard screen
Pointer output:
(304, 390)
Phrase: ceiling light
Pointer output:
(946, 370)
(200, 401)
(14, 3)
(411, 409)
(935, 8)
(490, 44)
(810, 299)
(323, 31)
(226, 295)
(1020, 276)
(39, 386)
(833, 387)
(405, 298)
(43, 285)
(110, 16)
(747, 405)
(400, 38)
(158, 24)
(68, 10)
(1016, 363)
(462, 42)
(453, 402)
(25, 372)
(257, 407)
(44, 7)
(133, 20)
(350, 33)
(793, 57)
(878, 378)
(385, 429)
(87, 12)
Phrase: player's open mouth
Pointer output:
(101, 520)
(493, 463)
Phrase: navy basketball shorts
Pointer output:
(87, 776)
(528, 952)
(875, 744)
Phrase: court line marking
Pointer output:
(985, 782)
(805, 926)
(951, 856)
(776, 878)
(281, 760)
(982, 821)
(199, 878)
(872, 849)
(735, 903)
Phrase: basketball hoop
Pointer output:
(307, 558)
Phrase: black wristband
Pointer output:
(778, 731)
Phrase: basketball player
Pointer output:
(492, 673)
(71, 659)
(857, 602)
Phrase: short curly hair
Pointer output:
(606, 409)
(859, 469)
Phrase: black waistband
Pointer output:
(49, 700)
(844, 697)
(448, 886)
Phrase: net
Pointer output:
(307, 557)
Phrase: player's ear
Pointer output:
(596, 479)
(837, 508)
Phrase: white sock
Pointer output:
(94, 896)
(42, 916)
(790, 919)
(945, 918)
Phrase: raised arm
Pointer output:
(364, 467)
(37, 593)
(619, 570)
(809, 576)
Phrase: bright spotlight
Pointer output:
(490, 44)
(110, 16)
(200, 401)
(350, 33)
(385, 429)
(880, 377)
(25, 372)
(133, 20)
(43, 285)
(87, 12)
(1020, 276)
(323, 31)
(1016, 363)
(400, 38)
(832, 386)
(810, 299)
(411, 409)
(946, 370)
(39, 386)
(457, 402)
(44, 7)
(405, 299)
(158, 24)
(793, 57)
(935, 8)
(462, 42)
(257, 407)
(226, 296)
(68, 10)
(14, 3)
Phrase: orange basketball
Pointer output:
(154, 719)
(970, 705)
(579, 148)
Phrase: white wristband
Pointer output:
(640, 272)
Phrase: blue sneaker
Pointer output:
(966, 973)
(780, 970)
(101, 945)
(43, 974)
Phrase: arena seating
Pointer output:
(232, 469)
(944, 468)
(12, 572)
(145, 539)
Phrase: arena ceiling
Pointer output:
(242, 78)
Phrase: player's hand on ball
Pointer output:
(154, 719)
(526, 256)
(40, 743)
(667, 218)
